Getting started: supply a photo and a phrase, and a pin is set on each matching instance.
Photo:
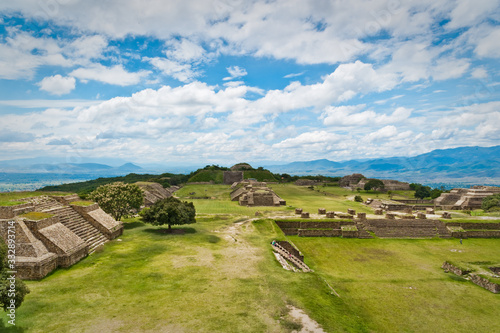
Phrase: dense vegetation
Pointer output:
(423, 192)
(215, 174)
(491, 203)
(12, 290)
(84, 188)
(118, 199)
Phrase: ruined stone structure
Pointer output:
(256, 194)
(64, 235)
(351, 180)
(231, 177)
(481, 281)
(154, 192)
(463, 198)
(357, 180)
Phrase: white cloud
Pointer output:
(291, 75)
(235, 72)
(86, 48)
(343, 84)
(350, 115)
(479, 73)
(22, 54)
(305, 140)
(184, 50)
(488, 45)
(116, 75)
(383, 133)
(177, 70)
(470, 12)
(57, 85)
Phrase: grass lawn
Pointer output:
(221, 276)
(6, 198)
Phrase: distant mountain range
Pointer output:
(464, 164)
(24, 166)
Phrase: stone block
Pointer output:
(298, 211)
(330, 215)
(351, 211)
(362, 216)
(304, 215)
(322, 211)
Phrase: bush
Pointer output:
(358, 198)
(491, 203)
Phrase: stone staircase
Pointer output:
(288, 256)
(81, 227)
(362, 233)
(408, 228)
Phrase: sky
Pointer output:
(226, 81)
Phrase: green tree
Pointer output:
(170, 211)
(118, 199)
(12, 290)
(422, 192)
(374, 184)
(491, 203)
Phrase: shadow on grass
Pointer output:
(6, 327)
(174, 231)
(458, 278)
(132, 225)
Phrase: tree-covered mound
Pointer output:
(84, 188)
(215, 174)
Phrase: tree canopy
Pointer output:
(170, 211)
(12, 290)
(491, 203)
(373, 184)
(118, 199)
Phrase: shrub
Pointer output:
(358, 198)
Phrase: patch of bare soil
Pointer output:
(308, 324)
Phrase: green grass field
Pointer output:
(221, 276)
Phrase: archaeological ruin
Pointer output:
(55, 231)
(154, 192)
(250, 193)
(394, 225)
(357, 180)
(465, 198)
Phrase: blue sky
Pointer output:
(224, 81)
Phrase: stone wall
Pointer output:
(349, 233)
(231, 177)
(291, 249)
(476, 226)
(485, 283)
(476, 279)
(319, 233)
(9, 212)
(483, 233)
(29, 268)
(455, 270)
